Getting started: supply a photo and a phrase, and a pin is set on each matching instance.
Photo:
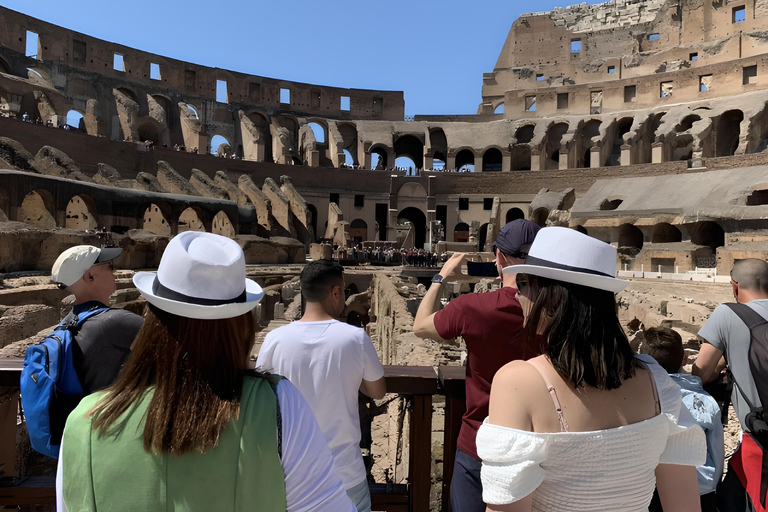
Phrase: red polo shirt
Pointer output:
(491, 325)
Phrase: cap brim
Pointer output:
(253, 294)
(108, 254)
(611, 284)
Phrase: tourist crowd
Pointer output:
(562, 412)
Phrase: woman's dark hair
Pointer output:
(582, 335)
(196, 367)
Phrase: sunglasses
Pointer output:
(517, 254)
(522, 282)
(110, 265)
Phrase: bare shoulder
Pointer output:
(517, 373)
(518, 383)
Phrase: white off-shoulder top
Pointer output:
(602, 470)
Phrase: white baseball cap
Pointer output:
(75, 261)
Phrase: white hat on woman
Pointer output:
(564, 254)
(201, 275)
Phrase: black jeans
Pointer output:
(466, 488)
(707, 502)
(731, 495)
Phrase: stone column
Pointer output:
(451, 163)
(657, 152)
(478, 162)
(535, 159)
(626, 155)
(313, 158)
(563, 160)
(594, 157)
(506, 160)
(428, 160)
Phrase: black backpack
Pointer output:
(755, 420)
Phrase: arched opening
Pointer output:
(461, 232)
(312, 220)
(521, 157)
(630, 238)
(81, 214)
(378, 158)
(358, 231)
(222, 226)
(4, 67)
(220, 146)
(37, 209)
(465, 161)
(439, 145)
(482, 236)
(149, 131)
(514, 214)
(29, 106)
(622, 127)
(588, 133)
(319, 131)
(687, 123)
(553, 145)
(611, 204)
(418, 222)
(406, 164)
(155, 220)
(540, 216)
(191, 220)
(728, 131)
(192, 111)
(524, 134)
(411, 147)
(492, 160)
(664, 233)
(348, 159)
(499, 109)
(708, 233)
(75, 120)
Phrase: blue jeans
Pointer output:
(466, 487)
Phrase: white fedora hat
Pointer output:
(201, 275)
(566, 255)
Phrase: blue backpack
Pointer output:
(50, 389)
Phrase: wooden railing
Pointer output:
(419, 383)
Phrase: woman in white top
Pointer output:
(587, 426)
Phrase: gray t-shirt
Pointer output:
(725, 331)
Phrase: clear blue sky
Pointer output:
(434, 51)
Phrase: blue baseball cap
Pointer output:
(515, 235)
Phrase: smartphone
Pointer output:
(482, 269)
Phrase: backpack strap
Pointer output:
(274, 380)
(77, 320)
(751, 319)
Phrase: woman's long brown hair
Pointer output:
(196, 367)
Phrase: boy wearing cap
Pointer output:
(491, 326)
(104, 340)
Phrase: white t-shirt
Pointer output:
(327, 361)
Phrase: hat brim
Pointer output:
(108, 254)
(253, 294)
(611, 284)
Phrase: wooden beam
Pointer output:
(420, 460)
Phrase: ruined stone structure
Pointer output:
(640, 93)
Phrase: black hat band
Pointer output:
(532, 260)
(166, 293)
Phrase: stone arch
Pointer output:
(5, 67)
(222, 225)
(418, 221)
(412, 147)
(588, 132)
(524, 134)
(643, 152)
(381, 152)
(319, 130)
(312, 220)
(191, 219)
(37, 209)
(514, 214)
(492, 160)
(540, 216)
(76, 120)
(552, 145)
(81, 213)
(358, 231)
(411, 190)
(29, 104)
(623, 126)
(161, 109)
(664, 232)
(461, 232)
(348, 132)
(220, 146)
(708, 233)
(155, 219)
(263, 135)
(438, 144)
(630, 237)
(727, 132)
(499, 109)
(465, 159)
